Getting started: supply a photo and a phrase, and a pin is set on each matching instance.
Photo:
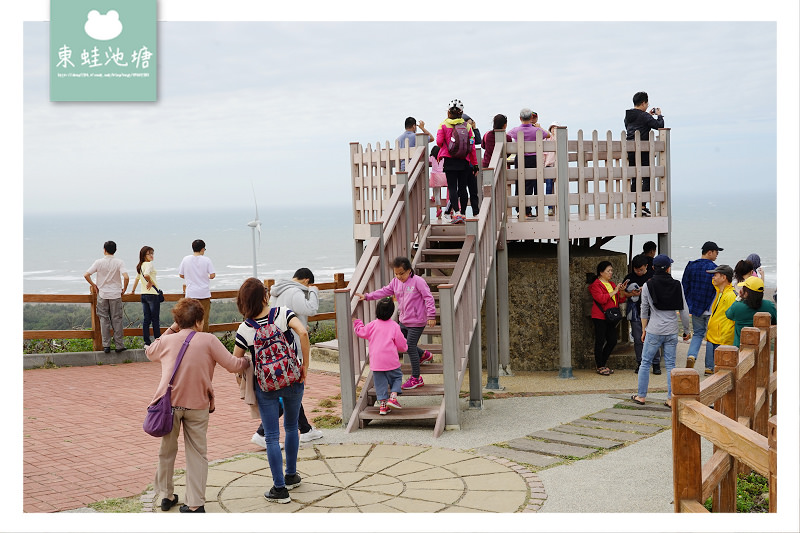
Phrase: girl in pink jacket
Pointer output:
(417, 309)
(385, 341)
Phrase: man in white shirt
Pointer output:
(109, 290)
(198, 270)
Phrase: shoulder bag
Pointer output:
(612, 314)
(158, 421)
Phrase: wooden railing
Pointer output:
(95, 334)
(739, 424)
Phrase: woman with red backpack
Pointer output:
(456, 142)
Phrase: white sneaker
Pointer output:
(259, 440)
(311, 435)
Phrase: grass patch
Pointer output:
(328, 421)
(118, 505)
(752, 494)
(327, 402)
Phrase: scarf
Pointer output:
(666, 293)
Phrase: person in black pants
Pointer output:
(640, 119)
(605, 295)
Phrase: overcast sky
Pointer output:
(278, 103)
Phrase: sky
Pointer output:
(277, 104)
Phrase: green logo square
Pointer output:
(103, 51)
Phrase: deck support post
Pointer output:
(562, 253)
(449, 374)
(502, 315)
(344, 334)
(474, 352)
(492, 353)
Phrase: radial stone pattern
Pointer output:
(374, 478)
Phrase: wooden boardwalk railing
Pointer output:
(94, 333)
(739, 424)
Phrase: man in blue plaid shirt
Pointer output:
(700, 293)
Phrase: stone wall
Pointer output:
(533, 307)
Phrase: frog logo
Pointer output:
(103, 27)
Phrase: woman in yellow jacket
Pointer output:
(720, 328)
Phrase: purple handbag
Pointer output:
(158, 421)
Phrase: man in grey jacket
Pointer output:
(662, 302)
(299, 295)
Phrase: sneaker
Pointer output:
(292, 481)
(383, 409)
(185, 509)
(314, 433)
(690, 362)
(645, 212)
(656, 370)
(438, 212)
(278, 495)
(107, 349)
(458, 219)
(426, 358)
(709, 371)
(393, 403)
(447, 219)
(259, 440)
(412, 383)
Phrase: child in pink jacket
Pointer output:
(417, 309)
(385, 341)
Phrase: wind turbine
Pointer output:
(256, 226)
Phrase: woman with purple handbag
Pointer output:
(188, 358)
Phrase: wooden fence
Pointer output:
(739, 424)
(94, 333)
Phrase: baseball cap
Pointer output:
(662, 260)
(722, 269)
(711, 245)
(754, 283)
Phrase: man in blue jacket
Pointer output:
(700, 293)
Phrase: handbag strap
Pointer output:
(180, 355)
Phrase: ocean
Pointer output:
(59, 248)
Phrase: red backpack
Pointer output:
(458, 142)
(275, 363)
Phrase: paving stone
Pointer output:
(493, 501)
(632, 418)
(602, 433)
(344, 464)
(441, 457)
(551, 448)
(413, 505)
(377, 508)
(453, 483)
(244, 466)
(476, 465)
(378, 464)
(434, 495)
(361, 497)
(640, 411)
(619, 426)
(337, 499)
(501, 481)
(395, 451)
(220, 478)
(530, 458)
(337, 450)
(428, 474)
(580, 440)
(312, 468)
(457, 509)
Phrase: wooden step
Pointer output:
(435, 265)
(408, 413)
(431, 368)
(433, 348)
(425, 390)
(446, 238)
(435, 330)
(437, 280)
(441, 251)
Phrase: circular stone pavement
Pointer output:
(374, 478)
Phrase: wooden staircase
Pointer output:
(435, 260)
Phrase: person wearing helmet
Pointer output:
(457, 169)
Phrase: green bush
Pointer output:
(752, 494)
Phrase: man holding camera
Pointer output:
(641, 120)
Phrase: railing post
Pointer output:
(474, 354)
(686, 461)
(762, 321)
(376, 230)
(97, 339)
(447, 315)
(562, 252)
(422, 141)
(344, 334)
(665, 239)
(724, 497)
(502, 296)
(773, 464)
(402, 181)
(492, 361)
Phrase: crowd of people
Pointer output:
(705, 302)
(454, 163)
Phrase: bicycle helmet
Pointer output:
(456, 103)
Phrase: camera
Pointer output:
(653, 111)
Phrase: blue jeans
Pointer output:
(651, 345)
(269, 407)
(699, 327)
(636, 333)
(387, 381)
(710, 347)
(150, 309)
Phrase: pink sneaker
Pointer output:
(426, 358)
(383, 409)
(393, 403)
(438, 212)
(412, 383)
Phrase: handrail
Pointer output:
(94, 331)
(739, 424)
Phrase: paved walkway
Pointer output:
(82, 447)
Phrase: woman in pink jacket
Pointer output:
(417, 308)
(385, 341)
(457, 169)
(192, 400)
